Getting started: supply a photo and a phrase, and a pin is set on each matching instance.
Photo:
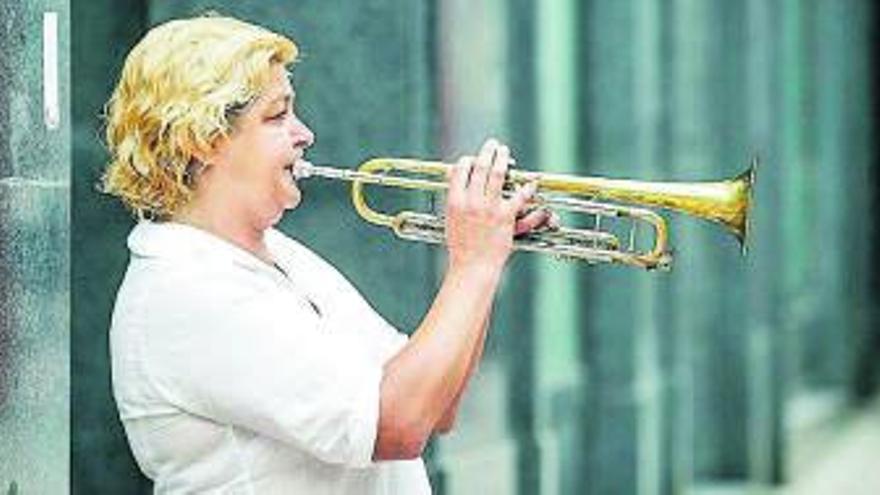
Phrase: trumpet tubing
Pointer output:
(726, 203)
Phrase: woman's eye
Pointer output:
(279, 116)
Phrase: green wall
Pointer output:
(596, 380)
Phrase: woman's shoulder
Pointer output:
(158, 289)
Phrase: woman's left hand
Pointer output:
(536, 219)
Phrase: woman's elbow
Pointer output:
(445, 425)
(401, 441)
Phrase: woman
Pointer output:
(242, 362)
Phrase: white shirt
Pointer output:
(232, 377)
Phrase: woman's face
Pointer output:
(255, 163)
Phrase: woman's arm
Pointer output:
(536, 219)
(447, 421)
(421, 382)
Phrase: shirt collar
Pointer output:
(177, 240)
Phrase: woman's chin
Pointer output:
(275, 216)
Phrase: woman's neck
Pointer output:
(223, 224)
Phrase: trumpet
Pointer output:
(726, 203)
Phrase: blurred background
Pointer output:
(727, 375)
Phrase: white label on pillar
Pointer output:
(50, 70)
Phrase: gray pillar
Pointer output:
(825, 366)
(692, 309)
(865, 368)
(709, 287)
(519, 336)
(476, 61)
(34, 243)
(766, 357)
(560, 380)
(651, 388)
(619, 84)
(857, 216)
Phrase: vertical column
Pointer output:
(808, 307)
(558, 380)
(802, 314)
(101, 461)
(478, 56)
(858, 216)
(521, 331)
(829, 343)
(34, 243)
(795, 196)
(651, 383)
(708, 286)
(867, 107)
(723, 398)
(810, 312)
(871, 367)
(765, 392)
(687, 151)
(618, 137)
(826, 252)
(825, 314)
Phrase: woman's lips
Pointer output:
(291, 171)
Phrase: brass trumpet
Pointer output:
(724, 202)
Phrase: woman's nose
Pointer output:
(303, 137)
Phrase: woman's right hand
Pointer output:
(480, 222)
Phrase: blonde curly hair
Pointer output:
(179, 91)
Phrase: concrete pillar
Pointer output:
(34, 243)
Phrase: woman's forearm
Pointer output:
(422, 382)
(447, 421)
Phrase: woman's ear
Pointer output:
(194, 169)
(204, 154)
(208, 153)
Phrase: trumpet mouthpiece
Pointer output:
(302, 169)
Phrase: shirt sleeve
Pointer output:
(263, 362)
(386, 340)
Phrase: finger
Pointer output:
(553, 223)
(450, 170)
(533, 220)
(522, 196)
(480, 171)
(458, 177)
(498, 172)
